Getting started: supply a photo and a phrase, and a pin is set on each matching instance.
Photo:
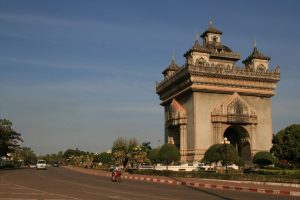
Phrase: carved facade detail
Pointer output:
(176, 114)
(234, 110)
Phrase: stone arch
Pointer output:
(236, 120)
(176, 122)
(240, 139)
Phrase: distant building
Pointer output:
(209, 98)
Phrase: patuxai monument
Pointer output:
(210, 97)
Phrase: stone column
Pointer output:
(217, 134)
(252, 139)
(183, 142)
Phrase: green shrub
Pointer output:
(263, 158)
(285, 176)
(168, 153)
(227, 154)
(286, 144)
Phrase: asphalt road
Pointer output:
(60, 183)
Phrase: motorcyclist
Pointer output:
(116, 173)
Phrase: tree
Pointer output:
(153, 155)
(9, 138)
(60, 157)
(129, 152)
(140, 154)
(219, 152)
(73, 152)
(119, 150)
(286, 144)
(168, 153)
(147, 146)
(130, 158)
(104, 157)
(229, 154)
(77, 157)
(240, 162)
(263, 158)
(25, 154)
(212, 154)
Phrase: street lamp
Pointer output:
(225, 142)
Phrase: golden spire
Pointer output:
(196, 45)
(254, 43)
(210, 21)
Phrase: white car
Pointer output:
(233, 166)
(41, 164)
(32, 165)
(205, 167)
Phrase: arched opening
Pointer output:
(174, 136)
(239, 138)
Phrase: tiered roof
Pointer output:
(172, 67)
(211, 29)
(256, 55)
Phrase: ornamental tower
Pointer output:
(210, 97)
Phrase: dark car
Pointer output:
(56, 164)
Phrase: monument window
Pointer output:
(215, 38)
(261, 68)
(200, 61)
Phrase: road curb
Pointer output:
(213, 186)
(194, 184)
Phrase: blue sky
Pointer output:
(79, 74)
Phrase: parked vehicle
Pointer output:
(181, 167)
(233, 166)
(205, 167)
(145, 167)
(56, 164)
(31, 165)
(41, 164)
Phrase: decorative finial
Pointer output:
(197, 36)
(254, 43)
(173, 57)
(210, 21)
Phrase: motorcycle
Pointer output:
(116, 176)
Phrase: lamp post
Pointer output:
(225, 142)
